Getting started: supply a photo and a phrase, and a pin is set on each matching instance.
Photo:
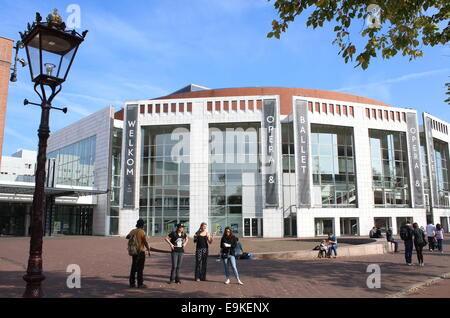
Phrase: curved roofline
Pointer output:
(285, 93)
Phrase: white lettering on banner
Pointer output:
(130, 151)
(302, 136)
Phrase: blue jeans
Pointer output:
(331, 248)
(177, 260)
(439, 245)
(408, 251)
(230, 260)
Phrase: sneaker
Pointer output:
(178, 282)
(132, 286)
(240, 283)
(227, 281)
(197, 280)
(410, 264)
(142, 286)
(422, 264)
(170, 282)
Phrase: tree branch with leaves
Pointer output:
(399, 26)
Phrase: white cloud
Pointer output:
(16, 134)
(402, 78)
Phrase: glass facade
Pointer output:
(441, 157)
(390, 170)
(333, 162)
(165, 178)
(13, 218)
(234, 169)
(116, 153)
(289, 180)
(72, 220)
(75, 163)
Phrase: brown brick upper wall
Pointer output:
(285, 93)
(6, 46)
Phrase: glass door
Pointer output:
(252, 227)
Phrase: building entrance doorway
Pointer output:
(290, 226)
(349, 226)
(252, 227)
(324, 226)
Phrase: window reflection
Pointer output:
(390, 174)
(333, 166)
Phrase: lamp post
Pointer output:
(51, 50)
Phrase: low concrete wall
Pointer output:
(380, 246)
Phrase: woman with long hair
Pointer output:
(439, 237)
(420, 242)
(177, 241)
(227, 253)
(202, 239)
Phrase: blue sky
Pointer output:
(146, 49)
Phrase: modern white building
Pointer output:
(267, 161)
(20, 166)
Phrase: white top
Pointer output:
(440, 234)
(431, 230)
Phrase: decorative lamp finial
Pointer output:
(54, 19)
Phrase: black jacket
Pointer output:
(232, 240)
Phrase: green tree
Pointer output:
(397, 26)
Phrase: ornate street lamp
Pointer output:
(51, 50)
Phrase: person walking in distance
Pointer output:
(137, 244)
(439, 237)
(177, 241)
(228, 244)
(431, 235)
(406, 234)
(419, 242)
(202, 239)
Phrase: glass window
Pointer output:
(167, 198)
(233, 153)
(333, 165)
(389, 164)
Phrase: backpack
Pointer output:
(420, 238)
(133, 249)
(405, 235)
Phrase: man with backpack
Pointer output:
(137, 244)
(406, 234)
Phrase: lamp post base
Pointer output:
(33, 288)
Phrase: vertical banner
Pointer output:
(130, 157)
(270, 153)
(414, 159)
(431, 159)
(302, 157)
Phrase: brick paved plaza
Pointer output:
(105, 267)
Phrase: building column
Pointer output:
(199, 164)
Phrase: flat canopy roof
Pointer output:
(57, 192)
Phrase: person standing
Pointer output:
(419, 242)
(332, 245)
(431, 233)
(228, 244)
(177, 241)
(439, 237)
(390, 239)
(406, 234)
(202, 239)
(137, 240)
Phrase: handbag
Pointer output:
(224, 254)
